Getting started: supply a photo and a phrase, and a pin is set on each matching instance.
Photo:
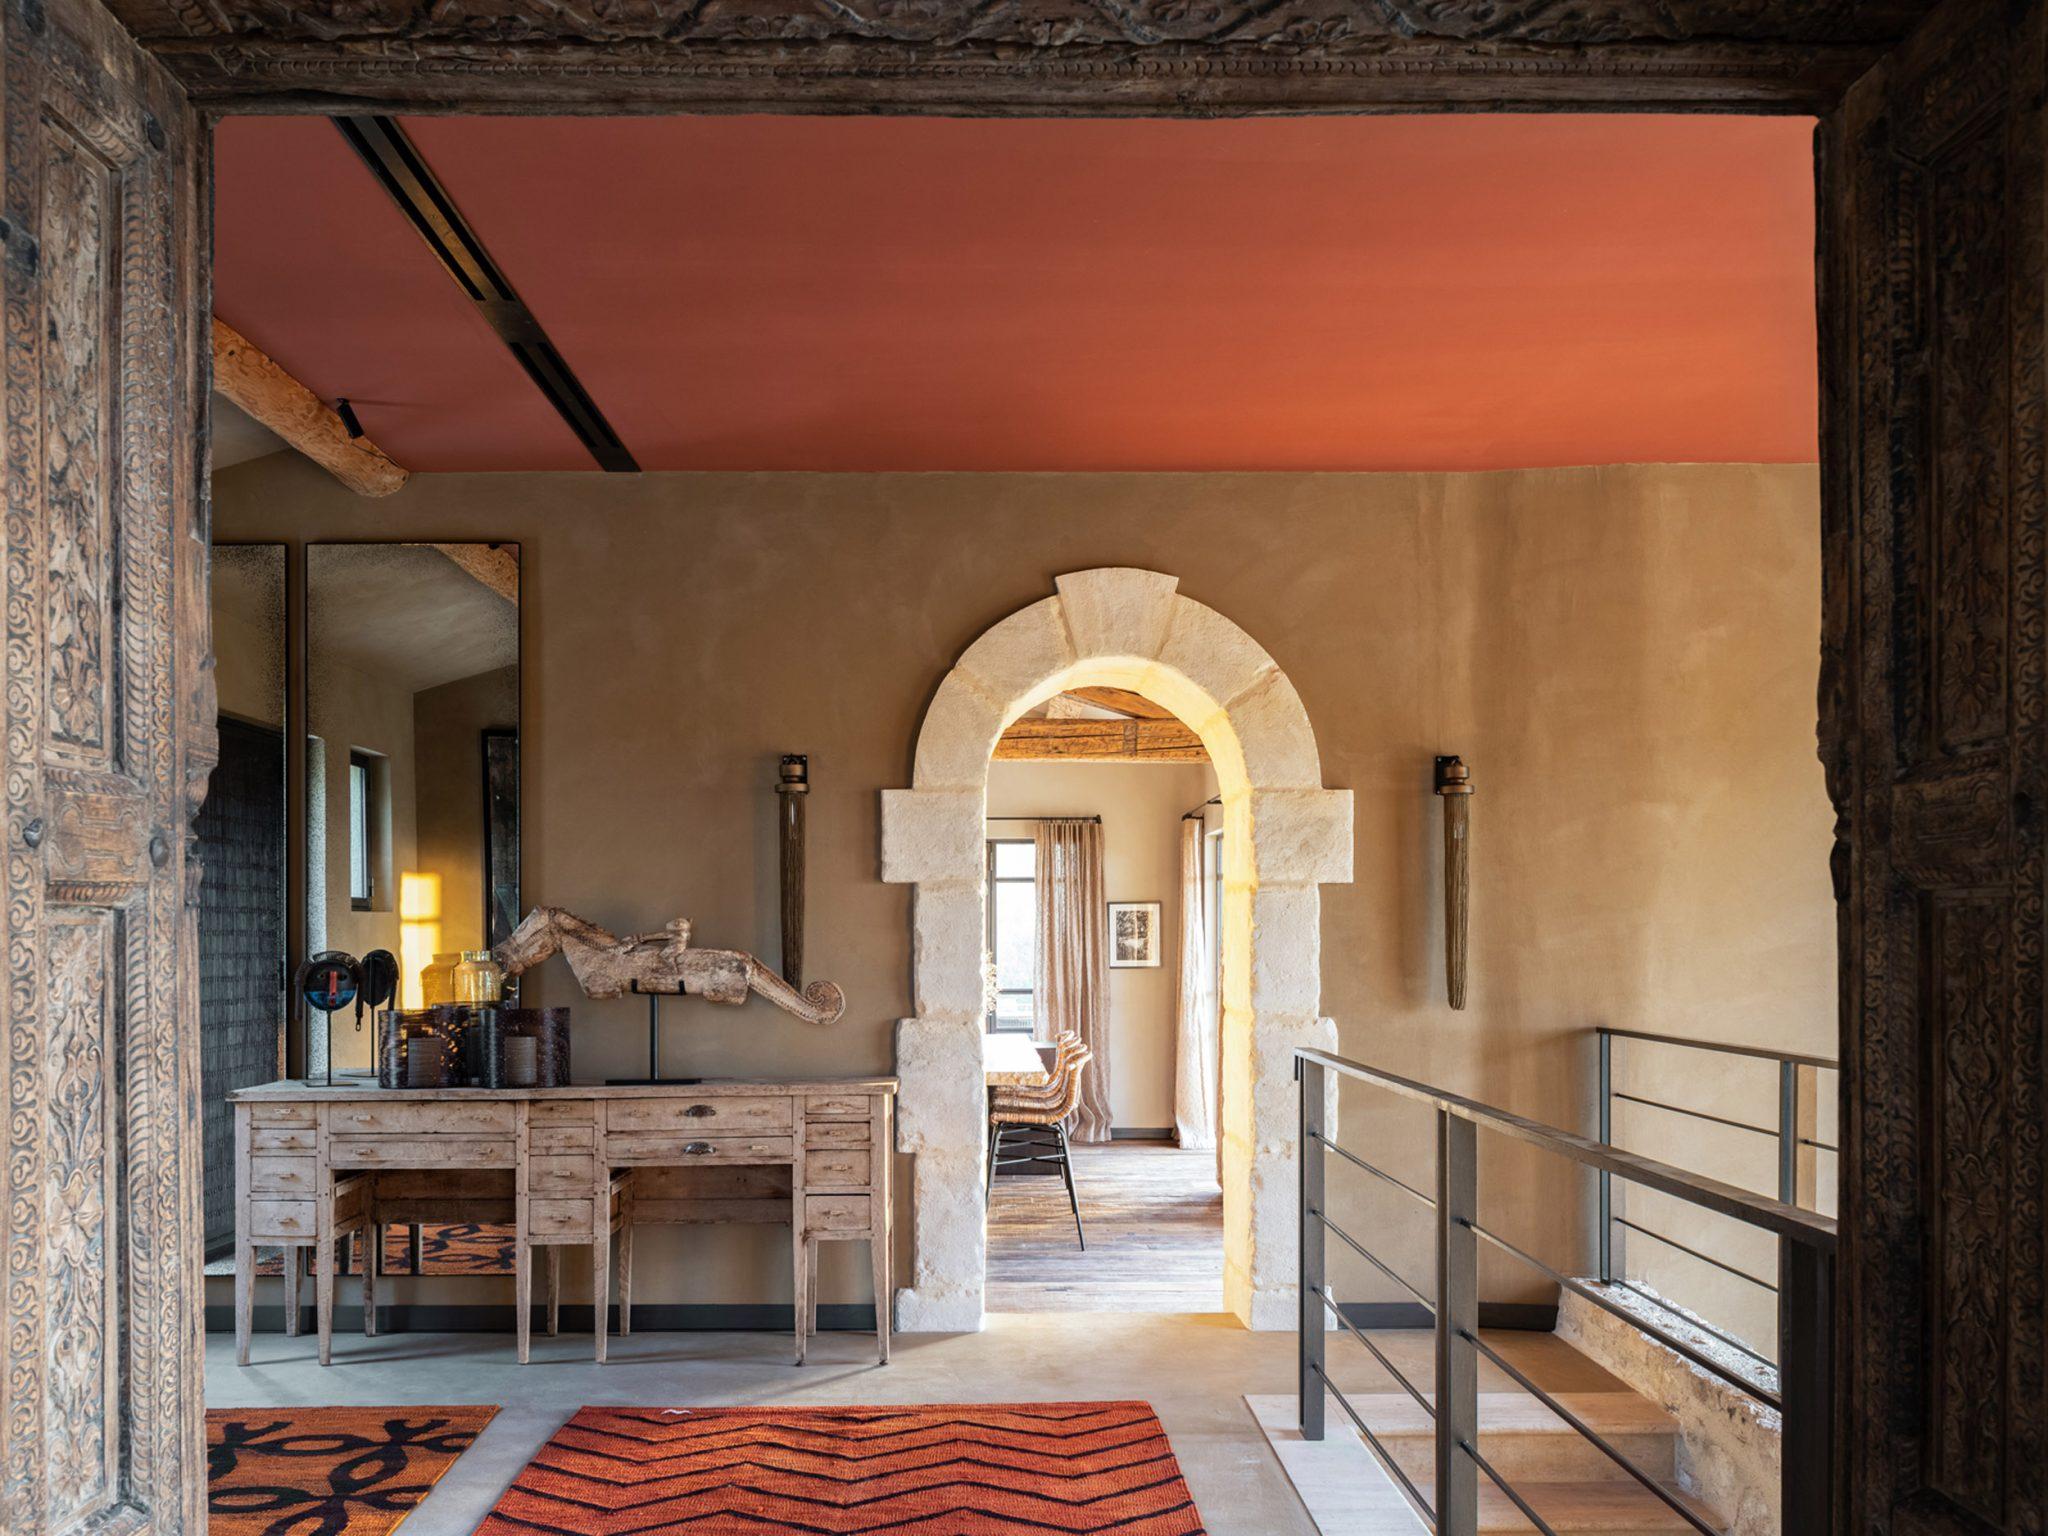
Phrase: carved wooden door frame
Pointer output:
(108, 741)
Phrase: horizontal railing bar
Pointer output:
(1589, 1433)
(1385, 1364)
(1359, 1248)
(1711, 1194)
(1580, 1289)
(1696, 1322)
(1379, 1173)
(1543, 1526)
(1704, 1258)
(1820, 1063)
(1428, 1509)
(1699, 1114)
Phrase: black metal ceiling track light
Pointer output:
(397, 165)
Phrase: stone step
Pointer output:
(1588, 1509)
(1524, 1439)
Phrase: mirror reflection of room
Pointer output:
(241, 830)
(412, 718)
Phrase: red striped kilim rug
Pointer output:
(967, 1469)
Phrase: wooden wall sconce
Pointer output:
(1454, 784)
(793, 785)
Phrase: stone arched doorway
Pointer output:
(1287, 835)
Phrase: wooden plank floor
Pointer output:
(1155, 1235)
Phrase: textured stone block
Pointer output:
(959, 733)
(1212, 652)
(946, 940)
(1273, 734)
(1302, 836)
(1020, 654)
(1287, 943)
(932, 834)
(941, 1106)
(1117, 611)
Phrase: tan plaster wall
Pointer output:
(1626, 656)
(1140, 805)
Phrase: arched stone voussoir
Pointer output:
(1211, 652)
(1117, 611)
(1014, 660)
(1271, 735)
(960, 731)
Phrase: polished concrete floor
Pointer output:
(1194, 1370)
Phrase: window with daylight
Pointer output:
(1013, 932)
(361, 886)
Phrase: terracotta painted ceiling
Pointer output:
(927, 294)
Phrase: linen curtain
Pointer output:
(1195, 1053)
(1073, 958)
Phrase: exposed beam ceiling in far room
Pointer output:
(1346, 293)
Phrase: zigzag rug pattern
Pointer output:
(964, 1469)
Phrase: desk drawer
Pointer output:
(559, 1175)
(558, 1218)
(838, 1133)
(282, 1114)
(273, 1219)
(562, 1111)
(284, 1139)
(420, 1152)
(839, 1106)
(273, 1175)
(562, 1138)
(837, 1165)
(699, 1117)
(838, 1213)
(643, 1147)
(441, 1119)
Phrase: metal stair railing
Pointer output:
(1805, 1291)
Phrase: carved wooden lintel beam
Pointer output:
(250, 378)
(1454, 784)
(1102, 741)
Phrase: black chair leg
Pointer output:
(1067, 1171)
(995, 1150)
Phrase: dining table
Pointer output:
(1012, 1061)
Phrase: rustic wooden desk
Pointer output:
(571, 1165)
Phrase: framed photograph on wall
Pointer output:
(1133, 934)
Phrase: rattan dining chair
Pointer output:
(1029, 1125)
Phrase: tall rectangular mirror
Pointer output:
(412, 764)
(241, 829)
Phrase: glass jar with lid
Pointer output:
(479, 979)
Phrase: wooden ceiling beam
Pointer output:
(1123, 701)
(246, 375)
(1101, 741)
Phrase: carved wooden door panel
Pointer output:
(105, 725)
(1932, 730)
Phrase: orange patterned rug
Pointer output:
(446, 1248)
(976, 1469)
(328, 1471)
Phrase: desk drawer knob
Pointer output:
(699, 1148)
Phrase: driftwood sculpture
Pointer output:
(606, 965)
